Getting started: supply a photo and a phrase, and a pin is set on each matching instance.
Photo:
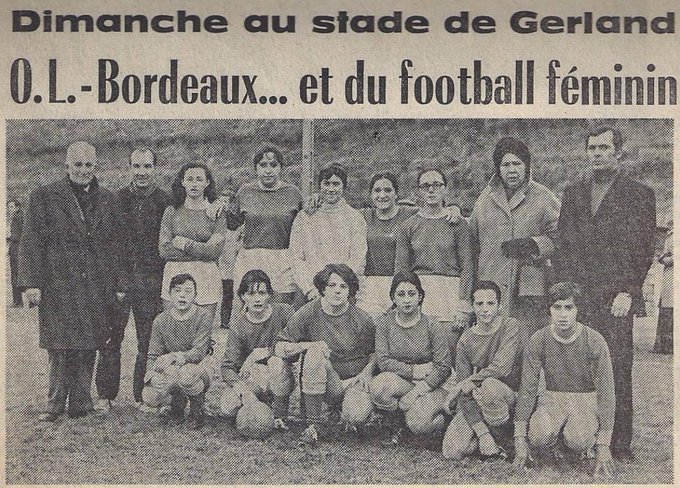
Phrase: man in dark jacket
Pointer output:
(16, 214)
(606, 243)
(142, 205)
(70, 265)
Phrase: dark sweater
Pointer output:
(190, 336)
(579, 365)
(142, 214)
(398, 348)
(244, 336)
(433, 246)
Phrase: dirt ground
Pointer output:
(131, 447)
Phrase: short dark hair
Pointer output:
(179, 194)
(407, 277)
(334, 169)
(180, 279)
(564, 291)
(343, 271)
(510, 145)
(427, 170)
(486, 285)
(384, 176)
(617, 138)
(143, 149)
(268, 149)
(253, 278)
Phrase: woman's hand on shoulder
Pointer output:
(215, 209)
(453, 214)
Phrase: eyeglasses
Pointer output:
(431, 186)
(331, 184)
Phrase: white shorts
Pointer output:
(441, 296)
(275, 262)
(207, 276)
(374, 296)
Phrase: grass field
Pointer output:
(131, 447)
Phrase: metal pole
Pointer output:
(307, 175)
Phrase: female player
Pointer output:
(249, 362)
(337, 340)
(189, 240)
(334, 233)
(439, 253)
(412, 352)
(266, 208)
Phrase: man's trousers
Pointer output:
(145, 305)
(70, 377)
(618, 333)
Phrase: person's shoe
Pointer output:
(144, 408)
(196, 422)
(48, 417)
(350, 428)
(376, 420)
(334, 417)
(103, 407)
(487, 446)
(556, 453)
(280, 425)
(623, 454)
(309, 437)
(196, 411)
(172, 418)
(395, 438)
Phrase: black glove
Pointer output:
(524, 248)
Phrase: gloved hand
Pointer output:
(523, 248)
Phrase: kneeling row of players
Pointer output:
(403, 368)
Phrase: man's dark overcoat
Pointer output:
(75, 265)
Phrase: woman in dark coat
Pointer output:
(70, 266)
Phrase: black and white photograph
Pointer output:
(339, 301)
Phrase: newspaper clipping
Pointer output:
(333, 242)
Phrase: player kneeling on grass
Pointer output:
(249, 363)
(180, 339)
(337, 340)
(413, 353)
(486, 377)
(578, 406)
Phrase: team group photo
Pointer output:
(402, 301)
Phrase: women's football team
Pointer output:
(408, 319)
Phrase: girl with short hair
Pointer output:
(266, 209)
